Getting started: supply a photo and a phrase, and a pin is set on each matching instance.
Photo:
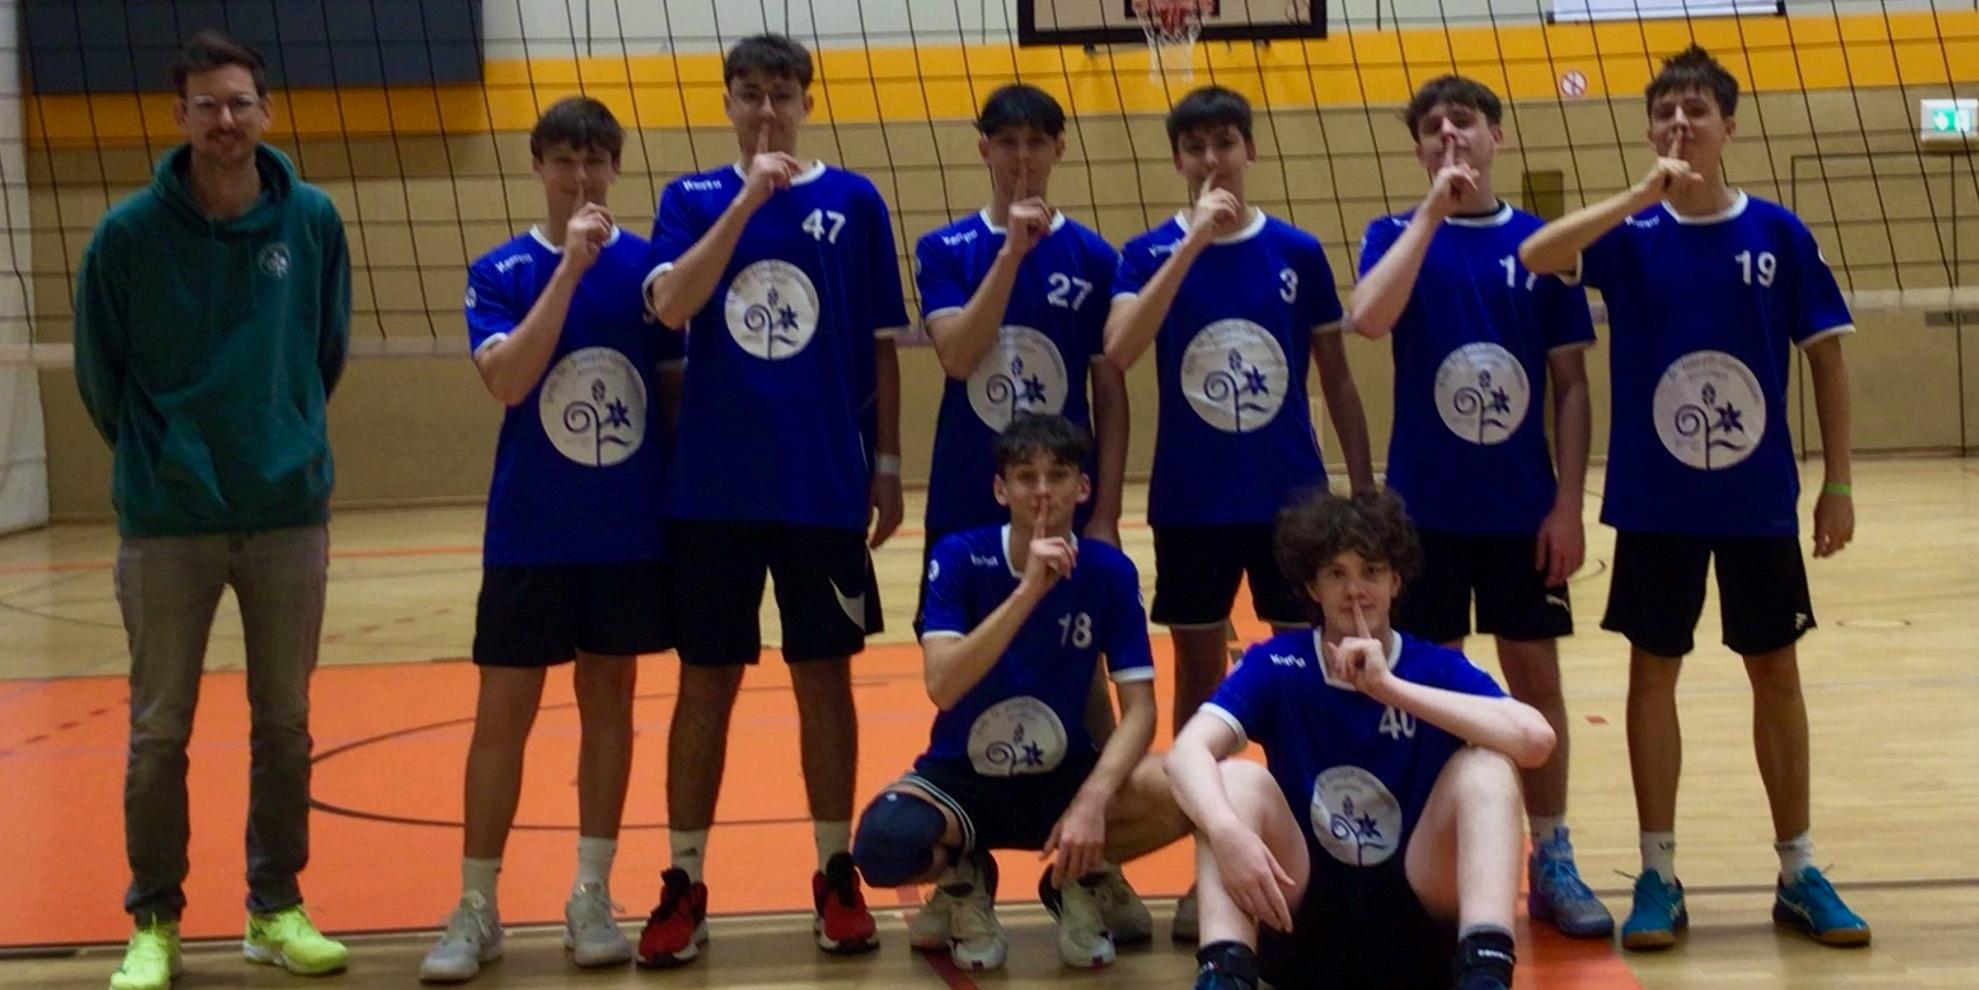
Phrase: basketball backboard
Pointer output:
(1112, 22)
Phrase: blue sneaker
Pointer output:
(1809, 905)
(1556, 895)
(1657, 917)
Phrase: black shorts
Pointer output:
(1657, 592)
(1513, 601)
(542, 614)
(826, 594)
(1197, 568)
(1359, 928)
(1004, 812)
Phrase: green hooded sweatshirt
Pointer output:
(206, 350)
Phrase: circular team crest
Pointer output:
(1022, 373)
(1710, 412)
(1015, 737)
(1235, 376)
(274, 260)
(593, 407)
(1482, 393)
(1355, 817)
(772, 309)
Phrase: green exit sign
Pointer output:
(1950, 121)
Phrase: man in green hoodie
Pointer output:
(212, 317)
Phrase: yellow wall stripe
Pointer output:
(925, 82)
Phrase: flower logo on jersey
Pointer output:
(1016, 737)
(593, 407)
(274, 260)
(1482, 393)
(1710, 412)
(1235, 376)
(1355, 817)
(772, 309)
(1022, 373)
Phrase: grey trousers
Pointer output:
(168, 588)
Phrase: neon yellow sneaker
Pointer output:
(287, 939)
(151, 960)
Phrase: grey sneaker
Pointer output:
(976, 940)
(590, 929)
(473, 938)
(1557, 895)
(1187, 927)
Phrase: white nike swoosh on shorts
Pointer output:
(854, 606)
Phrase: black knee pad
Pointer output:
(897, 839)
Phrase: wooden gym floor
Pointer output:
(1890, 690)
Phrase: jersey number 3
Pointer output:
(824, 225)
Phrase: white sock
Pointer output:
(832, 838)
(1796, 854)
(1545, 827)
(594, 861)
(477, 876)
(689, 847)
(1659, 853)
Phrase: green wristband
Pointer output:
(1841, 488)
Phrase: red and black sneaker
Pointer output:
(844, 925)
(678, 928)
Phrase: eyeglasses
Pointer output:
(208, 108)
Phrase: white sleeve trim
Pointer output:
(646, 284)
(1212, 708)
(1572, 345)
(1814, 338)
(939, 313)
(888, 333)
(941, 634)
(1573, 277)
(1334, 327)
(1132, 675)
(1124, 294)
(490, 342)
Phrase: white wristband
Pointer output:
(887, 464)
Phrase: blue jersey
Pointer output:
(777, 413)
(580, 464)
(1052, 332)
(1355, 772)
(1468, 453)
(1029, 711)
(1235, 438)
(1703, 311)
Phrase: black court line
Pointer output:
(318, 804)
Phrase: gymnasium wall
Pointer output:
(428, 178)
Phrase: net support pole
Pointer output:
(23, 442)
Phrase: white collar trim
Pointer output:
(1319, 653)
(1057, 221)
(1250, 230)
(1497, 218)
(536, 231)
(811, 174)
(1728, 213)
(1011, 562)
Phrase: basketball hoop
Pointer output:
(1172, 27)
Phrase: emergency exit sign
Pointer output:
(1948, 121)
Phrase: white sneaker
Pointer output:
(1187, 927)
(1083, 941)
(1126, 917)
(590, 928)
(976, 940)
(473, 937)
(933, 923)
